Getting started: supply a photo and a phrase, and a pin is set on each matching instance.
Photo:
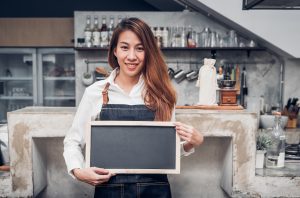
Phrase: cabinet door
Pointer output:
(56, 77)
(17, 80)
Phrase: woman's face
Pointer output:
(130, 54)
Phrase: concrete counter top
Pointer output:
(42, 110)
(226, 160)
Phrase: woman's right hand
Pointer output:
(93, 175)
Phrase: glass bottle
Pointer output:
(232, 39)
(183, 37)
(104, 33)
(204, 37)
(213, 39)
(276, 151)
(111, 27)
(191, 37)
(165, 36)
(119, 19)
(96, 33)
(88, 32)
(159, 36)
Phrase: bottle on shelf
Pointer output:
(165, 36)
(178, 36)
(159, 36)
(119, 19)
(104, 33)
(111, 27)
(204, 38)
(96, 33)
(276, 151)
(191, 37)
(232, 39)
(183, 38)
(88, 32)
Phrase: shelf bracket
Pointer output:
(248, 53)
(213, 53)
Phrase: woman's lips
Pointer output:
(131, 67)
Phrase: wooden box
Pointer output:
(228, 97)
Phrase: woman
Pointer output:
(137, 89)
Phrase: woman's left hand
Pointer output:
(188, 133)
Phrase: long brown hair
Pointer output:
(159, 93)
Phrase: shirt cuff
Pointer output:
(186, 153)
(70, 171)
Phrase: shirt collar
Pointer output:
(113, 74)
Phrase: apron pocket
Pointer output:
(109, 191)
(157, 190)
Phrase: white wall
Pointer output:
(279, 27)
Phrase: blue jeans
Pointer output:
(136, 190)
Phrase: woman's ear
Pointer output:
(115, 51)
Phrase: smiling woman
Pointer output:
(130, 53)
(138, 89)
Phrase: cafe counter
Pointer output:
(223, 164)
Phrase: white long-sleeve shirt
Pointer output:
(88, 109)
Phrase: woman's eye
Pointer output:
(140, 49)
(124, 47)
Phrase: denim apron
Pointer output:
(131, 185)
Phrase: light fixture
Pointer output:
(271, 4)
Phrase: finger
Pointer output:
(91, 183)
(186, 128)
(112, 174)
(100, 171)
(187, 139)
(183, 133)
(103, 177)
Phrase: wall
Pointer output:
(291, 84)
(263, 76)
(278, 27)
(36, 32)
(275, 27)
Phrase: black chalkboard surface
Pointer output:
(133, 147)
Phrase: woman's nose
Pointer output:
(131, 54)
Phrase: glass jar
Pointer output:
(276, 151)
(204, 38)
(232, 39)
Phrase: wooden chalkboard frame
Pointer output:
(161, 125)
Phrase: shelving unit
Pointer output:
(31, 76)
(15, 78)
(183, 48)
(16, 98)
(60, 98)
(59, 78)
(213, 50)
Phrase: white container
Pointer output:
(267, 121)
(260, 158)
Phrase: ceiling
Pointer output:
(66, 8)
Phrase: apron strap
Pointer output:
(105, 93)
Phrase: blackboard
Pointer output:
(133, 147)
